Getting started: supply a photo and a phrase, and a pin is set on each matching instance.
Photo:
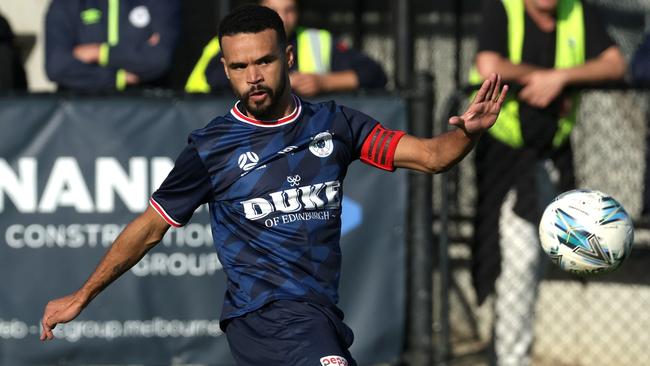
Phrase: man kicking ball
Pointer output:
(273, 155)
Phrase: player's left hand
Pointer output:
(306, 85)
(484, 110)
(541, 87)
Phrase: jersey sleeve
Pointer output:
(186, 188)
(373, 143)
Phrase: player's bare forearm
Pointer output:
(132, 244)
(441, 152)
(434, 155)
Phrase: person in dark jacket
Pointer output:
(105, 45)
(322, 64)
(12, 74)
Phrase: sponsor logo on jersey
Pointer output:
(333, 361)
(140, 17)
(248, 160)
(322, 145)
(287, 149)
(312, 197)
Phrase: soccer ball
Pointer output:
(586, 232)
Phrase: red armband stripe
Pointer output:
(375, 133)
(384, 151)
(375, 154)
(379, 147)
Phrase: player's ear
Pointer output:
(225, 68)
(288, 52)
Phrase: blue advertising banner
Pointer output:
(75, 171)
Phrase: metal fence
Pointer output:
(600, 320)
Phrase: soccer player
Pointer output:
(271, 171)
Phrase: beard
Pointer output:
(268, 110)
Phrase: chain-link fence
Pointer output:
(598, 320)
(571, 321)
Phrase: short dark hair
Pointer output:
(252, 19)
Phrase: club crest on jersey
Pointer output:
(248, 161)
(322, 145)
(333, 361)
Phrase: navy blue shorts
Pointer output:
(286, 332)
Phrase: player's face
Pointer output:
(287, 10)
(258, 71)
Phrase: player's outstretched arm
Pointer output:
(131, 245)
(441, 152)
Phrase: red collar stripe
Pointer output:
(274, 123)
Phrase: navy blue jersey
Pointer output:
(274, 189)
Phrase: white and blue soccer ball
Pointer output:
(586, 232)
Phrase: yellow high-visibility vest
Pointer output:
(569, 52)
(314, 56)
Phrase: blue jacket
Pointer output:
(640, 64)
(123, 27)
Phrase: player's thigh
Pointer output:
(289, 333)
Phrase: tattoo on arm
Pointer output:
(118, 269)
(115, 272)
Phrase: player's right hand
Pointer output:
(58, 311)
(482, 113)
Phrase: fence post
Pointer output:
(403, 41)
(419, 235)
(446, 194)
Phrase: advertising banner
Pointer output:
(75, 171)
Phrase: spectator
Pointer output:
(545, 46)
(12, 74)
(110, 44)
(322, 65)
